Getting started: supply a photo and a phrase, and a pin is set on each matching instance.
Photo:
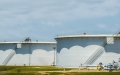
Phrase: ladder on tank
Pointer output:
(98, 52)
(12, 53)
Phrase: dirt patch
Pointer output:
(43, 73)
(88, 71)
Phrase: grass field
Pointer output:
(50, 70)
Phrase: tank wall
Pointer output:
(21, 56)
(73, 52)
(42, 54)
(29, 54)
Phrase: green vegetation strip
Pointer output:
(31, 68)
(46, 70)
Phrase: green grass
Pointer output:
(37, 70)
(27, 70)
(31, 68)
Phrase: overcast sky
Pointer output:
(44, 19)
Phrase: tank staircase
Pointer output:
(98, 52)
(12, 53)
(94, 56)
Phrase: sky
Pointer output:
(43, 20)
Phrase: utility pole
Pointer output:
(29, 54)
(54, 56)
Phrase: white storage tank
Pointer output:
(87, 50)
(27, 53)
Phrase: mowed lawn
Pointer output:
(47, 70)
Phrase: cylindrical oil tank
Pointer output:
(27, 53)
(87, 50)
